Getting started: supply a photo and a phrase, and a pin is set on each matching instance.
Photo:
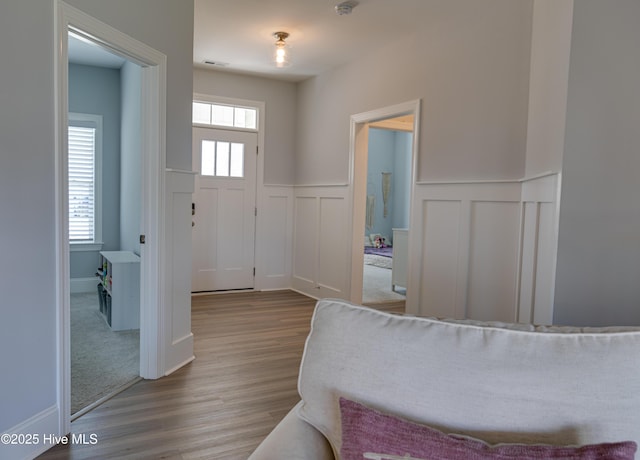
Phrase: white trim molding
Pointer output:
(33, 436)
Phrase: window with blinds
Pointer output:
(84, 172)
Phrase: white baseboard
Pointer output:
(79, 285)
(33, 436)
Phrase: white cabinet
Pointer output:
(119, 274)
(400, 258)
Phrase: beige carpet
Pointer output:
(378, 261)
(376, 284)
(102, 360)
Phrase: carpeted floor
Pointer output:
(377, 285)
(102, 360)
(378, 261)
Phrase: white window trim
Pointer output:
(87, 119)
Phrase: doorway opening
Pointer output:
(151, 69)
(387, 210)
(383, 158)
(104, 102)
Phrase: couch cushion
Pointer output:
(496, 384)
(368, 433)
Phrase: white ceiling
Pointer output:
(238, 33)
(82, 51)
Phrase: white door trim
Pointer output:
(358, 151)
(152, 304)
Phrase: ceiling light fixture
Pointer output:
(345, 7)
(282, 53)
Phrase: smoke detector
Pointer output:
(345, 7)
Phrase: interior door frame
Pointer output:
(358, 156)
(152, 305)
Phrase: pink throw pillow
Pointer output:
(369, 434)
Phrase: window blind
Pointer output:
(82, 147)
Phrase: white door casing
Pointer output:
(224, 216)
(358, 157)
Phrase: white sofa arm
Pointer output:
(293, 439)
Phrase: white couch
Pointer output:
(497, 382)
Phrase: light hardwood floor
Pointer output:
(242, 383)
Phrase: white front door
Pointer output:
(224, 209)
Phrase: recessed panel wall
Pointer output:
(276, 231)
(440, 242)
(305, 239)
(322, 222)
(493, 257)
(546, 255)
(332, 269)
(487, 250)
(539, 242)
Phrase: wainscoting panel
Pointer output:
(440, 247)
(493, 259)
(274, 238)
(487, 249)
(178, 337)
(528, 261)
(321, 259)
(306, 244)
(540, 197)
(332, 267)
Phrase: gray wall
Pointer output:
(131, 161)
(27, 181)
(470, 67)
(167, 26)
(280, 106)
(96, 90)
(27, 232)
(598, 271)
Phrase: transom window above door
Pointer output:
(205, 113)
(222, 159)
